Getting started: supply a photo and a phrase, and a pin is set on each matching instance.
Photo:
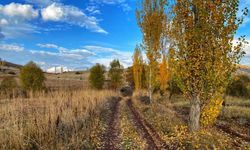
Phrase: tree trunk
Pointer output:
(194, 114)
(150, 84)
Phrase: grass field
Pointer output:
(72, 116)
(57, 120)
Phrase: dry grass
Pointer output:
(174, 131)
(58, 120)
(234, 101)
(237, 112)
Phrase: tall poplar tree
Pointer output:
(203, 33)
(152, 20)
(137, 68)
(164, 74)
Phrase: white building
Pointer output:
(59, 69)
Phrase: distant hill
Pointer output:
(244, 69)
(9, 68)
(9, 64)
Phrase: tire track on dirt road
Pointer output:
(111, 141)
(147, 131)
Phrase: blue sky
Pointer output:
(74, 33)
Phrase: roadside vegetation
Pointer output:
(185, 94)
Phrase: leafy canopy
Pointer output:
(115, 74)
(96, 77)
(32, 77)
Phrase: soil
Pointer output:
(111, 135)
(146, 130)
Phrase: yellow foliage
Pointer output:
(164, 74)
(211, 111)
(137, 68)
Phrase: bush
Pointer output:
(32, 77)
(173, 88)
(11, 73)
(96, 77)
(240, 87)
(8, 86)
(78, 72)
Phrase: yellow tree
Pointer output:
(163, 74)
(205, 57)
(137, 68)
(152, 19)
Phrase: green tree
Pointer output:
(115, 74)
(240, 86)
(8, 86)
(96, 77)
(32, 77)
(204, 55)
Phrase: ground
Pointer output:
(73, 116)
(88, 119)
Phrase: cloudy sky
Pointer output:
(74, 33)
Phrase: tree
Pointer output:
(96, 77)
(8, 86)
(152, 20)
(130, 76)
(116, 74)
(164, 74)
(240, 86)
(32, 77)
(137, 68)
(202, 33)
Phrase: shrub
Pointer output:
(32, 77)
(78, 72)
(8, 85)
(173, 88)
(240, 87)
(11, 73)
(96, 77)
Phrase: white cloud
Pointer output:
(100, 48)
(71, 53)
(79, 58)
(71, 15)
(24, 11)
(3, 22)
(93, 10)
(11, 47)
(52, 12)
(104, 55)
(246, 48)
(15, 20)
(48, 46)
(1, 34)
(41, 2)
(111, 2)
(121, 3)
